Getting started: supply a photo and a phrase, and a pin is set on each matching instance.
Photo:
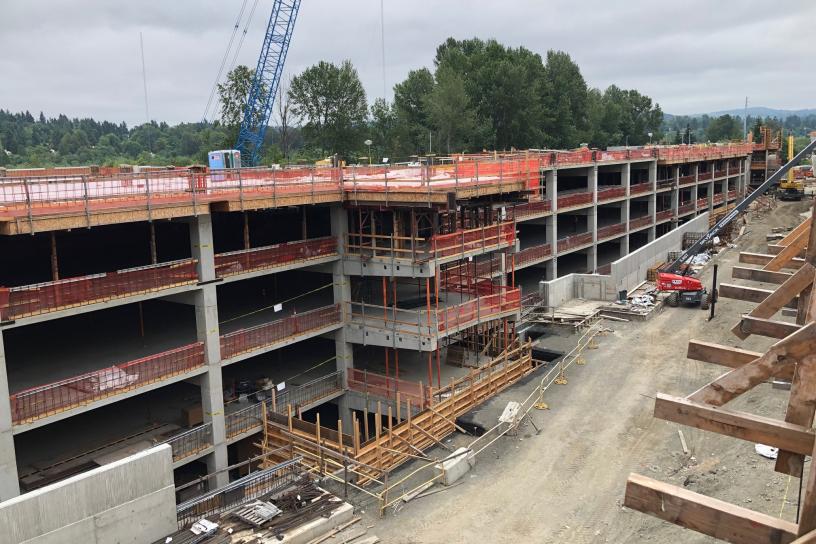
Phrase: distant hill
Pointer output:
(758, 111)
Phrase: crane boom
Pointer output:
(258, 109)
(688, 254)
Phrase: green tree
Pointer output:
(233, 95)
(449, 110)
(383, 128)
(410, 101)
(332, 102)
(723, 128)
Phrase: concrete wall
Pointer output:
(629, 271)
(128, 501)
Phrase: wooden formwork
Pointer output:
(791, 358)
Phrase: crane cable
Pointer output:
(224, 58)
(243, 36)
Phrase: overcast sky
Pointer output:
(81, 57)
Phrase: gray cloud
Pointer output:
(81, 57)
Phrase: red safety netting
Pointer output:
(44, 400)
(718, 198)
(719, 173)
(578, 156)
(617, 155)
(477, 309)
(387, 387)
(686, 180)
(577, 199)
(701, 152)
(702, 202)
(260, 258)
(611, 192)
(611, 230)
(534, 253)
(642, 153)
(50, 296)
(640, 222)
(639, 188)
(571, 242)
(532, 208)
(702, 176)
(685, 207)
(732, 195)
(663, 215)
(457, 243)
(259, 336)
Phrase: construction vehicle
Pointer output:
(792, 187)
(675, 278)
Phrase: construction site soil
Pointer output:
(566, 483)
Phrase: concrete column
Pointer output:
(344, 352)
(552, 225)
(653, 198)
(710, 185)
(207, 331)
(696, 193)
(551, 183)
(592, 218)
(9, 484)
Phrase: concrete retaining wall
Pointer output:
(127, 501)
(629, 271)
(589, 286)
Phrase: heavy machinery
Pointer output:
(675, 280)
(791, 187)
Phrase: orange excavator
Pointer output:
(687, 290)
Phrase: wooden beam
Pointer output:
(748, 294)
(796, 231)
(788, 252)
(807, 520)
(783, 295)
(747, 257)
(742, 425)
(758, 274)
(809, 538)
(800, 405)
(719, 354)
(767, 327)
(705, 515)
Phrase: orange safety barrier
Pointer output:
(640, 222)
(611, 230)
(479, 308)
(618, 155)
(642, 153)
(259, 336)
(45, 400)
(686, 180)
(578, 156)
(685, 207)
(387, 387)
(663, 215)
(534, 253)
(611, 192)
(40, 298)
(639, 188)
(445, 245)
(702, 152)
(521, 211)
(576, 199)
(574, 241)
(260, 258)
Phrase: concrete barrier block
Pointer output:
(456, 466)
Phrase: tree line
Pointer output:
(478, 95)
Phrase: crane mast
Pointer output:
(261, 98)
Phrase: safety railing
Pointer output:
(665, 183)
(704, 176)
(639, 222)
(533, 254)
(476, 310)
(701, 152)
(190, 442)
(615, 155)
(719, 173)
(639, 188)
(529, 209)
(145, 190)
(574, 199)
(463, 271)
(267, 334)
(460, 242)
(663, 215)
(685, 207)
(702, 202)
(604, 270)
(388, 387)
(732, 195)
(578, 156)
(611, 230)
(571, 242)
(719, 198)
(257, 484)
(641, 153)
(263, 258)
(40, 298)
(609, 193)
(251, 418)
(53, 398)
(687, 180)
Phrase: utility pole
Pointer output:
(745, 121)
(144, 84)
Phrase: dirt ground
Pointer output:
(566, 484)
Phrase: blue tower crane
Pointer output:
(268, 73)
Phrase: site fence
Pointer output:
(532, 254)
(45, 400)
(266, 334)
(611, 230)
(575, 199)
(39, 298)
(640, 222)
(571, 242)
(267, 481)
(261, 258)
